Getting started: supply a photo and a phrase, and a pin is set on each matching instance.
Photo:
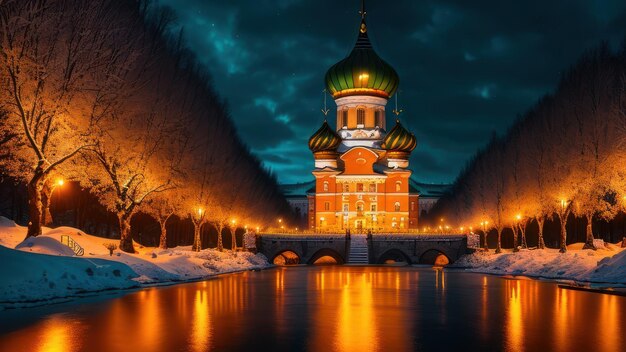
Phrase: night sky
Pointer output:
(466, 68)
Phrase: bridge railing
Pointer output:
(401, 232)
(76, 248)
(375, 234)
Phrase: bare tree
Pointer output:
(52, 55)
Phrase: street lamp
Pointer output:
(484, 225)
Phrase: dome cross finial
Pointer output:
(363, 13)
(325, 110)
(396, 110)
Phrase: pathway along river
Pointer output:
(329, 308)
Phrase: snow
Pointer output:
(49, 270)
(605, 265)
(29, 278)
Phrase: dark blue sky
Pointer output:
(466, 68)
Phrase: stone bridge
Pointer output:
(410, 248)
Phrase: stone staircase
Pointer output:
(359, 253)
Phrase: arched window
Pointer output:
(396, 206)
(360, 117)
(346, 187)
(325, 186)
(344, 118)
(359, 207)
(378, 118)
(327, 206)
(398, 186)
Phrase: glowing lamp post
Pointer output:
(197, 223)
(484, 225)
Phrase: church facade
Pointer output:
(362, 175)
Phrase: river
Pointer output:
(328, 308)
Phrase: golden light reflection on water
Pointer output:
(514, 328)
(201, 322)
(57, 337)
(356, 324)
(561, 319)
(336, 309)
(354, 321)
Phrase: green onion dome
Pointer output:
(399, 139)
(363, 72)
(324, 139)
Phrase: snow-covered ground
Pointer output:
(42, 268)
(606, 265)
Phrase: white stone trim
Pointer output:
(361, 193)
(355, 100)
(322, 163)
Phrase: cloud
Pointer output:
(467, 68)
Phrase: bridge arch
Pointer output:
(434, 257)
(286, 257)
(395, 255)
(326, 252)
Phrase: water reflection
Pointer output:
(329, 309)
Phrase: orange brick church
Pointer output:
(362, 180)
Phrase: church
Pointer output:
(362, 175)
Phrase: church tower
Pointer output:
(361, 170)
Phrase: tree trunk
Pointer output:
(126, 240)
(34, 207)
(163, 238)
(589, 239)
(46, 197)
(197, 240)
(233, 232)
(220, 242)
(540, 243)
(499, 246)
(563, 247)
(515, 229)
(485, 246)
(522, 231)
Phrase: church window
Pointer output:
(344, 118)
(396, 206)
(359, 187)
(326, 206)
(372, 187)
(325, 186)
(360, 116)
(398, 186)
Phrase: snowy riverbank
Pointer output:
(602, 266)
(42, 269)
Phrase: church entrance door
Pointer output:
(359, 225)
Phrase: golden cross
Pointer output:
(363, 13)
